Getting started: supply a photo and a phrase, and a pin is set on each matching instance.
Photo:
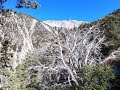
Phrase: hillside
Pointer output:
(40, 57)
(110, 24)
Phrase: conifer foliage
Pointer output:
(21, 4)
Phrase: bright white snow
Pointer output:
(64, 23)
(46, 26)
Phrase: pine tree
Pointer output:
(21, 4)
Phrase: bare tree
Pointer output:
(80, 47)
(71, 50)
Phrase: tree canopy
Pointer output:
(21, 4)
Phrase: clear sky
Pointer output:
(85, 10)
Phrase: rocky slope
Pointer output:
(24, 33)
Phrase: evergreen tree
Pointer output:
(21, 4)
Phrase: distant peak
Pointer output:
(64, 23)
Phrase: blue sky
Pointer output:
(85, 10)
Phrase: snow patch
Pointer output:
(46, 26)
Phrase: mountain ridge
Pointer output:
(69, 24)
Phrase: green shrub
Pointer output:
(93, 78)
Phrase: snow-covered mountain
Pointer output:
(64, 23)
